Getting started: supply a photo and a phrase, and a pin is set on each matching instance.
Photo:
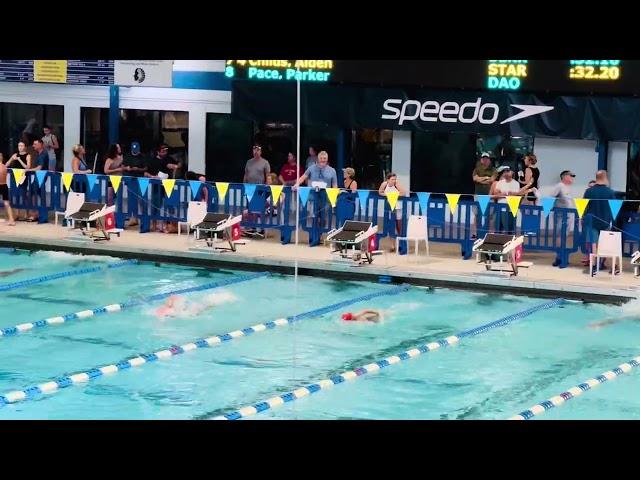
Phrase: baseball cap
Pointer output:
(350, 171)
(485, 154)
(135, 148)
(567, 172)
(503, 168)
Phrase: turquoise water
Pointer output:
(491, 376)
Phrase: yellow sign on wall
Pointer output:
(50, 71)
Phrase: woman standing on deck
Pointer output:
(22, 160)
(113, 166)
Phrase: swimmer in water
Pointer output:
(177, 306)
(374, 316)
(6, 273)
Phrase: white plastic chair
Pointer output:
(417, 230)
(196, 211)
(609, 246)
(74, 202)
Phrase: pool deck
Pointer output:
(443, 268)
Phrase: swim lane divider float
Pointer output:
(116, 307)
(578, 390)
(380, 364)
(88, 375)
(70, 273)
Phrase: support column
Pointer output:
(602, 147)
(198, 140)
(401, 157)
(71, 131)
(114, 113)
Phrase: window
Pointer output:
(24, 122)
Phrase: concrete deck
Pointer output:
(444, 266)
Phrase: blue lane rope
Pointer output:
(88, 375)
(576, 391)
(116, 307)
(377, 365)
(7, 250)
(71, 273)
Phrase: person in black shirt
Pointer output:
(161, 166)
(136, 161)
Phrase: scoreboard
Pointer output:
(74, 72)
(579, 77)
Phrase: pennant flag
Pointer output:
(615, 206)
(332, 194)
(249, 190)
(115, 182)
(276, 190)
(303, 193)
(392, 198)
(423, 198)
(143, 184)
(483, 201)
(581, 205)
(67, 178)
(547, 205)
(222, 190)
(92, 179)
(363, 196)
(168, 184)
(18, 175)
(195, 188)
(453, 198)
(514, 203)
(41, 175)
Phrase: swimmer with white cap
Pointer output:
(177, 306)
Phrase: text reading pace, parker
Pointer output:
(303, 70)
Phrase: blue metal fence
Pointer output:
(558, 232)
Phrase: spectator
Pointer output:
(392, 185)
(41, 163)
(507, 186)
(20, 159)
(51, 145)
(136, 163)
(4, 191)
(289, 173)
(350, 183)
(529, 178)
(159, 167)
(312, 159)
(561, 191)
(78, 164)
(257, 169)
(598, 213)
(113, 165)
(483, 175)
(320, 174)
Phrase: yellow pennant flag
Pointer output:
(392, 198)
(276, 190)
(18, 175)
(222, 189)
(453, 198)
(514, 203)
(168, 184)
(581, 205)
(115, 182)
(67, 178)
(332, 194)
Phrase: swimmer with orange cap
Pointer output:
(374, 316)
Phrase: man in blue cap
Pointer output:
(137, 164)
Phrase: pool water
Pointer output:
(491, 376)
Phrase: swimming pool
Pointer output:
(490, 376)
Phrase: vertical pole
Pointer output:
(340, 153)
(602, 147)
(114, 113)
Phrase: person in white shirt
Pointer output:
(508, 186)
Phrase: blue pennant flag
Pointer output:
(143, 183)
(547, 204)
(615, 206)
(363, 196)
(91, 180)
(483, 201)
(423, 198)
(41, 175)
(303, 193)
(249, 190)
(195, 188)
